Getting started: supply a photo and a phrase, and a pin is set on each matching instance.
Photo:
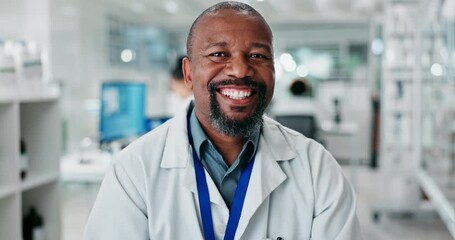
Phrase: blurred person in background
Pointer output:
(299, 100)
(301, 87)
(180, 95)
(298, 109)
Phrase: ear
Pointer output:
(186, 67)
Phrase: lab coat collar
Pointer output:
(267, 175)
(177, 153)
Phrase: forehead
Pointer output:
(225, 21)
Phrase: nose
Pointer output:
(239, 67)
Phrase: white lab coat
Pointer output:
(296, 191)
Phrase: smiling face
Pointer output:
(231, 72)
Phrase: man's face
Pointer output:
(231, 71)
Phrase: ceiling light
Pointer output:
(127, 55)
(377, 46)
(436, 69)
(288, 62)
(447, 10)
(171, 7)
(302, 71)
(137, 7)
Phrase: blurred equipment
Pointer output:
(33, 226)
(304, 124)
(298, 112)
(337, 107)
(122, 117)
(300, 87)
(24, 159)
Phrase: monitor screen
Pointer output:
(304, 124)
(122, 110)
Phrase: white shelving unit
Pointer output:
(403, 72)
(33, 116)
(436, 172)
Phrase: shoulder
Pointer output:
(305, 150)
(143, 153)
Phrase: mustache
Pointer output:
(249, 82)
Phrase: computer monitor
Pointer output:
(304, 124)
(122, 115)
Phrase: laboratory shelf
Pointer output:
(35, 180)
(441, 197)
(405, 73)
(436, 172)
(422, 208)
(32, 116)
(41, 94)
(7, 99)
(10, 220)
(7, 191)
(7, 93)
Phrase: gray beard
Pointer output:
(232, 127)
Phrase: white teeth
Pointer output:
(236, 94)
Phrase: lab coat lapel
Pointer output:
(177, 151)
(220, 211)
(178, 154)
(190, 183)
(267, 175)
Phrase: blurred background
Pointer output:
(372, 80)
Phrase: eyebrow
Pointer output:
(216, 44)
(264, 46)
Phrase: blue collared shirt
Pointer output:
(225, 177)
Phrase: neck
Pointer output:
(228, 146)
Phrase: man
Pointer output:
(221, 167)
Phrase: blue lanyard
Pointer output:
(204, 197)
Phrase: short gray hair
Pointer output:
(239, 7)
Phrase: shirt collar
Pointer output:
(197, 133)
(177, 153)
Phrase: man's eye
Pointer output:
(260, 56)
(218, 54)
